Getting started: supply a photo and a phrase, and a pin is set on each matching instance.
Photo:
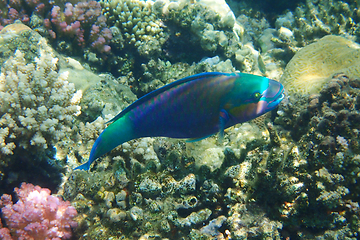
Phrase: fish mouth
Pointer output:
(278, 98)
(271, 97)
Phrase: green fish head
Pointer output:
(252, 96)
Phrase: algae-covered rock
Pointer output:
(315, 64)
(318, 173)
(18, 36)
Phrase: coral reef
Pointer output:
(296, 179)
(197, 24)
(117, 35)
(322, 166)
(37, 214)
(314, 65)
(10, 11)
(159, 73)
(82, 22)
(248, 220)
(335, 17)
(18, 36)
(159, 192)
(77, 27)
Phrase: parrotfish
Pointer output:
(193, 107)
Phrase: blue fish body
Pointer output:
(193, 107)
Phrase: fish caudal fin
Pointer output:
(84, 166)
(115, 134)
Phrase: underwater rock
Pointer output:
(149, 187)
(227, 17)
(116, 215)
(186, 185)
(103, 95)
(191, 220)
(220, 7)
(18, 36)
(211, 157)
(319, 169)
(136, 213)
(249, 221)
(212, 229)
(121, 199)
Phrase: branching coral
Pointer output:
(36, 105)
(137, 23)
(82, 21)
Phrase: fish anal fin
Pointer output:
(190, 140)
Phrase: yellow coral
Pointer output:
(315, 64)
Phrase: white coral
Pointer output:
(36, 107)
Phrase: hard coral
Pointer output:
(315, 64)
(82, 21)
(37, 214)
(137, 23)
(36, 104)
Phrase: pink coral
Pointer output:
(4, 233)
(37, 214)
(83, 22)
(80, 23)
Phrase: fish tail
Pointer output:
(94, 154)
(84, 166)
(115, 134)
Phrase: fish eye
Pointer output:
(257, 95)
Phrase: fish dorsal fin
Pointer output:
(152, 94)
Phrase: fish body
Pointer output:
(193, 107)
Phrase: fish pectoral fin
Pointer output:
(190, 140)
(223, 119)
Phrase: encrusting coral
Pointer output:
(314, 65)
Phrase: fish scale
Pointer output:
(193, 107)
